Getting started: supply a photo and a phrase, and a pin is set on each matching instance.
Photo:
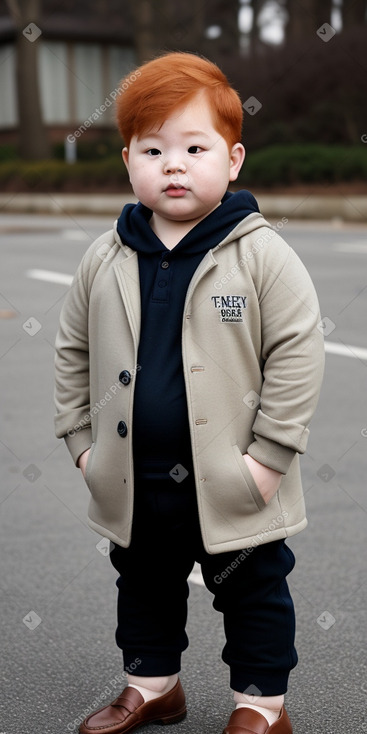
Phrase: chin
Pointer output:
(187, 217)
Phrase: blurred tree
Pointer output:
(303, 84)
(210, 27)
(256, 6)
(144, 28)
(305, 91)
(305, 18)
(353, 13)
(223, 15)
(185, 26)
(32, 133)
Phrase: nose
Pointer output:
(173, 165)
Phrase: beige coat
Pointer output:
(253, 361)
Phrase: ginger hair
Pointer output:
(158, 88)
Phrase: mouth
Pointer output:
(175, 190)
(175, 186)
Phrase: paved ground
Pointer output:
(313, 205)
(51, 569)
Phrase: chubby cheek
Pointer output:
(210, 177)
(212, 189)
(139, 179)
(144, 188)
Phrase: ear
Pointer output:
(125, 157)
(237, 156)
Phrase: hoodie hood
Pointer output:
(134, 229)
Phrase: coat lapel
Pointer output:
(127, 274)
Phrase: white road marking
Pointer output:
(50, 276)
(342, 350)
(345, 350)
(74, 234)
(196, 576)
(360, 246)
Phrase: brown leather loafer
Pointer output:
(248, 721)
(129, 711)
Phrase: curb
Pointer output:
(345, 208)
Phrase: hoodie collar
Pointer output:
(134, 229)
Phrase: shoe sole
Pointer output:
(170, 719)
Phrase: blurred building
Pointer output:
(81, 57)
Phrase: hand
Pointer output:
(267, 480)
(82, 461)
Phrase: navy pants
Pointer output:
(253, 595)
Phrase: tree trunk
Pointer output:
(353, 13)
(256, 6)
(304, 19)
(294, 29)
(144, 23)
(32, 133)
(225, 15)
(186, 31)
(34, 144)
(322, 13)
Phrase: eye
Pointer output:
(153, 152)
(194, 149)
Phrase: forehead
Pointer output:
(194, 117)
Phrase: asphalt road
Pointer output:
(58, 598)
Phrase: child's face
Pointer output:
(182, 170)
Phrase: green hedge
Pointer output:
(290, 164)
(272, 166)
(55, 175)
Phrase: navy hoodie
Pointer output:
(161, 435)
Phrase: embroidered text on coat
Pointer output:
(230, 308)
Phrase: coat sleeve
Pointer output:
(72, 420)
(293, 359)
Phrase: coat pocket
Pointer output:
(88, 468)
(251, 487)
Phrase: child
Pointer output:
(188, 367)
